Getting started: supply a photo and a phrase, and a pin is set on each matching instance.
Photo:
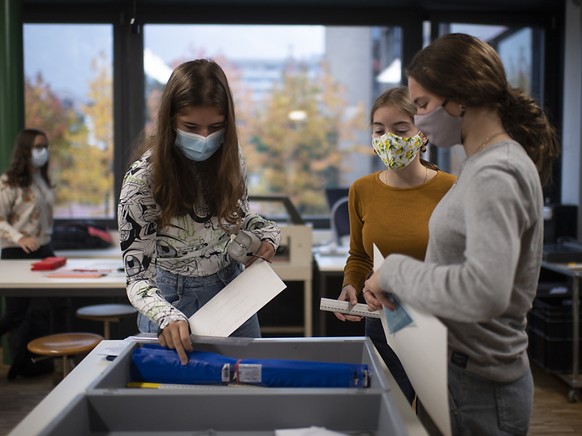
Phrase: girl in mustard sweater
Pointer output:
(391, 209)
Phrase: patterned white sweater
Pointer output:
(25, 212)
(193, 245)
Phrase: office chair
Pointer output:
(340, 220)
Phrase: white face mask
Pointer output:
(397, 151)
(197, 147)
(441, 128)
(39, 157)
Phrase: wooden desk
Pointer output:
(296, 265)
(328, 265)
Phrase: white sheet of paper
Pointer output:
(238, 301)
(422, 350)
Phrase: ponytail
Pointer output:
(527, 124)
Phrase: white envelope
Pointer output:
(238, 301)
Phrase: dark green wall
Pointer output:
(11, 77)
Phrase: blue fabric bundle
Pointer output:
(156, 364)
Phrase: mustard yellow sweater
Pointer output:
(395, 219)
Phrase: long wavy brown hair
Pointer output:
(466, 70)
(179, 183)
(399, 98)
(19, 173)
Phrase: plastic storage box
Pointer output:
(550, 328)
(109, 407)
(553, 355)
(552, 317)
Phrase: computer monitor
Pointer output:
(332, 195)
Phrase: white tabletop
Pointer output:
(331, 263)
(113, 252)
(17, 278)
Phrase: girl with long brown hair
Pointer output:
(182, 201)
(484, 252)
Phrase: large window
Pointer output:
(521, 51)
(302, 94)
(69, 95)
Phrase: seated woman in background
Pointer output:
(26, 223)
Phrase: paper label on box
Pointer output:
(249, 373)
(225, 373)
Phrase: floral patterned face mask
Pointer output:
(397, 151)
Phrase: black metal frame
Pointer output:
(127, 17)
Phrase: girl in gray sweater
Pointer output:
(484, 253)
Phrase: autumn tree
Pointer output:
(93, 155)
(302, 137)
(295, 157)
(81, 141)
(57, 117)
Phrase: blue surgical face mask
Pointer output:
(39, 157)
(197, 147)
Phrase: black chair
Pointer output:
(340, 220)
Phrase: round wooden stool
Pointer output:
(65, 345)
(107, 313)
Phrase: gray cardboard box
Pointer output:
(109, 407)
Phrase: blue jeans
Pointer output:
(188, 294)
(375, 332)
(479, 406)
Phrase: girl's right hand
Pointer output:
(176, 335)
(348, 294)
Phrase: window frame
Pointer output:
(552, 65)
(128, 77)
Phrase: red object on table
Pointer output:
(49, 263)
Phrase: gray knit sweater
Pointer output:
(483, 261)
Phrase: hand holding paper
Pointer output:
(238, 301)
(398, 318)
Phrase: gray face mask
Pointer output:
(441, 128)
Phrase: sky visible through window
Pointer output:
(167, 42)
(236, 41)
